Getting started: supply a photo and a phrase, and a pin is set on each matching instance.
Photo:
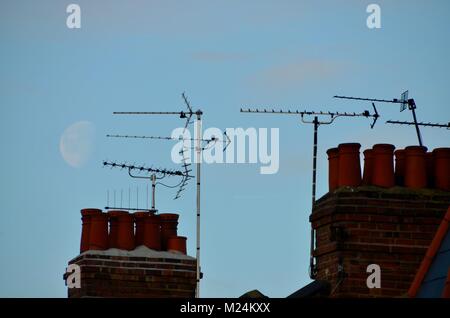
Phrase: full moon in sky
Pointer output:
(77, 143)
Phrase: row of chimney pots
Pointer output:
(414, 167)
(126, 231)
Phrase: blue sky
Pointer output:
(140, 55)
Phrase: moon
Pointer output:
(77, 143)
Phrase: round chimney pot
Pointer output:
(442, 168)
(415, 167)
(152, 232)
(349, 165)
(333, 168)
(98, 232)
(86, 226)
(114, 227)
(121, 233)
(177, 244)
(169, 225)
(383, 165)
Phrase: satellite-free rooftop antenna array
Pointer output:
(404, 102)
(409, 123)
(115, 207)
(155, 174)
(329, 118)
(208, 142)
(187, 115)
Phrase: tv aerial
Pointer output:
(404, 103)
(409, 123)
(208, 142)
(155, 174)
(187, 115)
(328, 118)
(130, 208)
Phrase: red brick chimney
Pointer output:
(391, 226)
(125, 259)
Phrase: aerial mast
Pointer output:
(328, 118)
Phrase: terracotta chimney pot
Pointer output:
(383, 165)
(86, 226)
(152, 232)
(333, 168)
(415, 167)
(176, 244)
(442, 168)
(98, 232)
(349, 165)
(169, 224)
(121, 233)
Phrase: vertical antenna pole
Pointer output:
(316, 125)
(107, 197)
(413, 109)
(153, 190)
(198, 150)
(121, 198)
(312, 269)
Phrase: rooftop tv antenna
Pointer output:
(329, 118)
(154, 175)
(129, 208)
(409, 123)
(187, 115)
(404, 102)
(208, 142)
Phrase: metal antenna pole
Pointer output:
(187, 116)
(419, 136)
(314, 179)
(331, 117)
(199, 155)
(153, 190)
(316, 126)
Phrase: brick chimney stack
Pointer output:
(388, 219)
(132, 255)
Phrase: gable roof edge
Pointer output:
(429, 255)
